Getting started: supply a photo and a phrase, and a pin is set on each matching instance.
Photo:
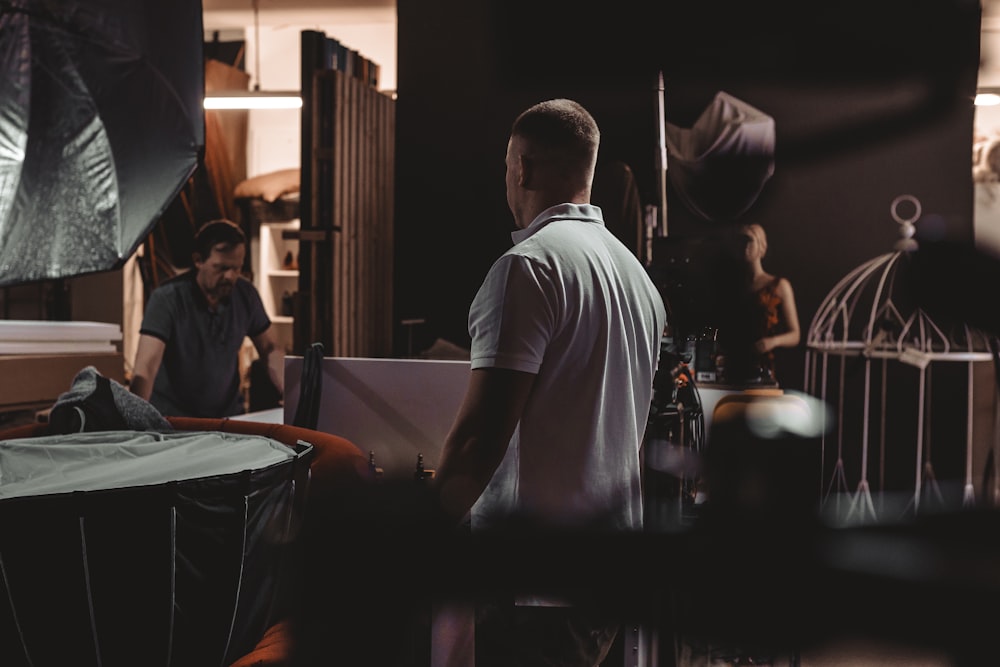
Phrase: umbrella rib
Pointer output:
(13, 610)
(90, 591)
(173, 584)
(239, 581)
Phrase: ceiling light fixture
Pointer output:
(984, 99)
(256, 98)
(252, 99)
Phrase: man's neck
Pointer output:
(539, 204)
(209, 299)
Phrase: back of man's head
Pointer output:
(562, 134)
(223, 233)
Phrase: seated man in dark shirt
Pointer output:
(187, 361)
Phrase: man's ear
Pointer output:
(525, 170)
(196, 258)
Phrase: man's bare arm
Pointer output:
(478, 439)
(148, 357)
(269, 350)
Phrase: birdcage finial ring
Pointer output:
(894, 208)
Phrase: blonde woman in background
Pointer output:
(780, 320)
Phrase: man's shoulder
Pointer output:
(175, 285)
(176, 280)
(245, 293)
(245, 284)
(245, 288)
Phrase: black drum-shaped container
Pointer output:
(143, 548)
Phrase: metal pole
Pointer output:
(661, 166)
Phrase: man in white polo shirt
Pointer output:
(566, 331)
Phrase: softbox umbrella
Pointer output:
(101, 124)
(719, 165)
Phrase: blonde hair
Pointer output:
(759, 235)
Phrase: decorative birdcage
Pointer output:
(869, 329)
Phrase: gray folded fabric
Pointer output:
(97, 403)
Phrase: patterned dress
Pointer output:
(773, 324)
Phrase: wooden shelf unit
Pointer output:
(276, 283)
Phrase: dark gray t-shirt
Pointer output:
(199, 375)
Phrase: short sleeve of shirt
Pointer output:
(159, 316)
(513, 316)
(258, 319)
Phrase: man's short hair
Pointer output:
(559, 129)
(217, 232)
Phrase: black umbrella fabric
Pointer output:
(101, 124)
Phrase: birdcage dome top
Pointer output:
(873, 311)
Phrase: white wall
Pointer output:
(986, 214)
(273, 136)
(989, 45)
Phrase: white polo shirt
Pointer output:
(570, 303)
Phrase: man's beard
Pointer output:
(222, 290)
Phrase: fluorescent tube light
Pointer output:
(246, 99)
(987, 98)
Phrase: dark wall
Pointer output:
(870, 101)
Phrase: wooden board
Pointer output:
(32, 381)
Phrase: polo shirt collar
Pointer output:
(581, 212)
